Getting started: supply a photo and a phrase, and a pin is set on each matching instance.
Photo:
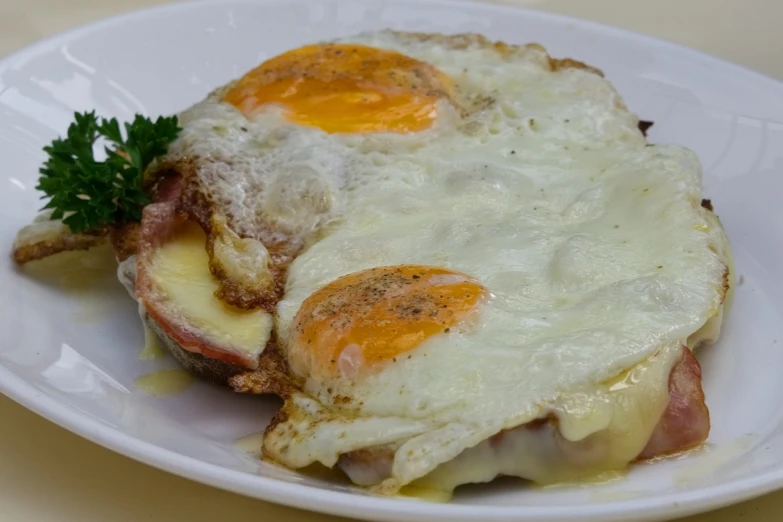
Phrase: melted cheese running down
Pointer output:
(180, 270)
(595, 432)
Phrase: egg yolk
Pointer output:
(376, 316)
(345, 88)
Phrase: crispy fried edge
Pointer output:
(63, 243)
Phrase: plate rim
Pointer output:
(351, 504)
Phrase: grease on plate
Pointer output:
(88, 277)
(250, 444)
(712, 458)
(426, 494)
(164, 382)
(606, 477)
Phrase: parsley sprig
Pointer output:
(88, 194)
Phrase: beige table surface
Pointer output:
(39, 480)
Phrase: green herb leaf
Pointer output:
(88, 194)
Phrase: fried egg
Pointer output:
(473, 237)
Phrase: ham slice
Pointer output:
(160, 221)
(686, 421)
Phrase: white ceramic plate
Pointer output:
(71, 355)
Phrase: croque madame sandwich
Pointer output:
(453, 259)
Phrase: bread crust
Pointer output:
(210, 369)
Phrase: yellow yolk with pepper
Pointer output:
(345, 88)
(371, 317)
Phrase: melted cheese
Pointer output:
(181, 273)
(152, 348)
(598, 433)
